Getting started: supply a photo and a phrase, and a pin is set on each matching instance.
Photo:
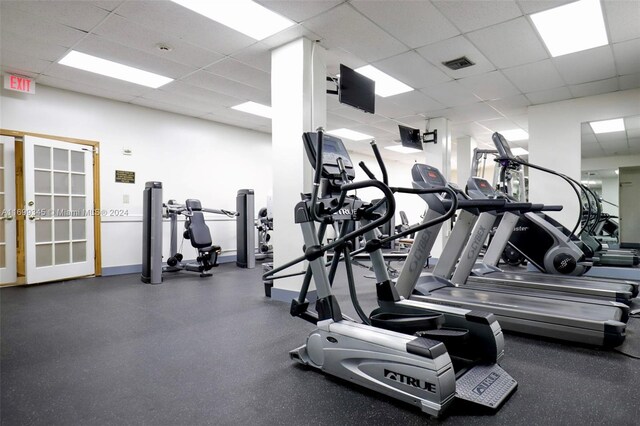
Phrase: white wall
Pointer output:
(193, 158)
(612, 162)
(610, 192)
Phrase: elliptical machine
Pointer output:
(414, 368)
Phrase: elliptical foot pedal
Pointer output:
(486, 385)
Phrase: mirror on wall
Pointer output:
(611, 169)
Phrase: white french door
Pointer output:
(7, 211)
(58, 193)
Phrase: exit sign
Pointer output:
(19, 83)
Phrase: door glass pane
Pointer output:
(61, 206)
(44, 255)
(77, 205)
(2, 203)
(62, 253)
(43, 231)
(78, 230)
(1, 155)
(3, 256)
(42, 157)
(60, 159)
(43, 182)
(2, 180)
(77, 184)
(61, 230)
(43, 205)
(77, 161)
(2, 236)
(79, 252)
(61, 183)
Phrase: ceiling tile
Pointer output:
(81, 15)
(588, 65)
(335, 121)
(473, 15)
(297, 10)
(451, 94)
(631, 81)
(34, 48)
(475, 112)
(453, 48)
(492, 85)
(75, 86)
(547, 96)
(535, 76)
(412, 69)
(201, 106)
(95, 80)
(19, 63)
(592, 151)
(237, 71)
(589, 139)
(200, 94)
(345, 27)
(106, 49)
(108, 5)
(228, 87)
(128, 33)
(514, 105)
(171, 18)
(499, 124)
(612, 139)
(627, 56)
(585, 129)
(594, 87)
(622, 18)
(417, 101)
(415, 23)
(632, 123)
(510, 43)
(533, 6)
(257, 55)
(31, 26)
(240, 119)
(336, 56)
(521, 120)
(174, 107)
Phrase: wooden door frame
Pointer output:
(97, 220)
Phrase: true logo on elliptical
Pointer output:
(410, 381)
(520, 228)
(486, 383)
(345, 212)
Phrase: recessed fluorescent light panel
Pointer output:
(515, 135)
(402, 149)
(245, 16)
(608, 126)
(113, 69)
(349, 134)
(254, 108)
(519, 151)
(571, 28)
(385, 84)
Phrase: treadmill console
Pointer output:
(502, 146)
(478, 188)
(427, 175)
(332, 149)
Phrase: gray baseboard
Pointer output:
(137, 269)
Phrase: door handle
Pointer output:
(34, 218)
(6, 217)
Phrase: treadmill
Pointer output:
(471, 271)
(593, 322)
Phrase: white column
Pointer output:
(439, 156)
(464, 156)
(298, 104)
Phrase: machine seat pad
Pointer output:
(199, 233)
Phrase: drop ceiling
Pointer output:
(625, 142)
(215, 67)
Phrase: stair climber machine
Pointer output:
(474, 271)
(571, 320)
(421, 356)
(546, 244)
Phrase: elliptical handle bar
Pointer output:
(391, 209)
(383, 168)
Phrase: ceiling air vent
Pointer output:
(459, 63)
